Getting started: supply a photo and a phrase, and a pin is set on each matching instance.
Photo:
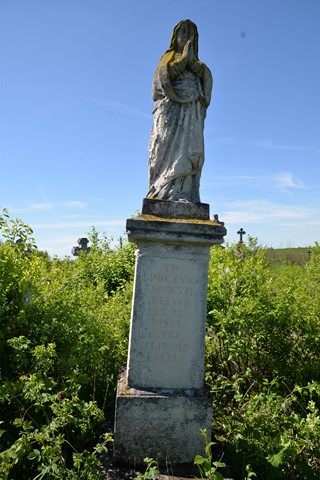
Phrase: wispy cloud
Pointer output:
(286, 181)
(80, 224)
(222, 139)
(32, 208)
(235, 180)
(304, 223)
(61, 245)
(281, 180)
(264, 143)
(271, 144)
(122, 108)
(76, 204)
(260, 211)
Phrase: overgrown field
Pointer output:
(294, 256)
(63, 337)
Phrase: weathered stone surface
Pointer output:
(171, 209)
(167, 333)
(181, 91)
(167, 336)
(161, 424)
(175, 231)
(162, 405)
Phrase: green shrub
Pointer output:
(268, 324)
(263, 362)
(53, 427)
(277, 434)
(63, 336)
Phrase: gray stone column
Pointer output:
(161, 400)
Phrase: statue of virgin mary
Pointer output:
(181, 91)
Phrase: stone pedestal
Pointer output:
(161, 401)
(161, 424)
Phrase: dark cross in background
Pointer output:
(241, 232)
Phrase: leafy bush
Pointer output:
(263, 362)
(63, 337)
(16, 232)
(53, 424)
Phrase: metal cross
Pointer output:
(241, 232)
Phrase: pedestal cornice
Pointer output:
(175, 230)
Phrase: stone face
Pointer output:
(166, 347)
(161, 424)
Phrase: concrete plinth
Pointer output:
(161, 401)
(162, 424)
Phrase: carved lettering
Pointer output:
(170, 301)
(169, 278)
(170, 294)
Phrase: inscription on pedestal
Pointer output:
(167, 327)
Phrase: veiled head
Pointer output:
(188, 29)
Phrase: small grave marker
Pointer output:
(241, 232)
(83, 247)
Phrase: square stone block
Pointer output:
(172, 209)
(162, 424)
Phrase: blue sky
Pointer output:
(75, 114)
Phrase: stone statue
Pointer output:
(181, 91)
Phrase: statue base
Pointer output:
(161, 401)
(172, 209)
(161, 424)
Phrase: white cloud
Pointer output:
(231, 180)
(76, 204)
(80, 224)
(265, 143)
(123, 108)
(307, 223)
(286, 180)
(281, 180)
(32, 208)
(222, 139)
(270, 144)
(260, 211)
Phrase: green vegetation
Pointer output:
(206, 465)
(63, 337)
(294, 256)
(263, 362)
(152, 470)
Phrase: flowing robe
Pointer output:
(176, 148)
